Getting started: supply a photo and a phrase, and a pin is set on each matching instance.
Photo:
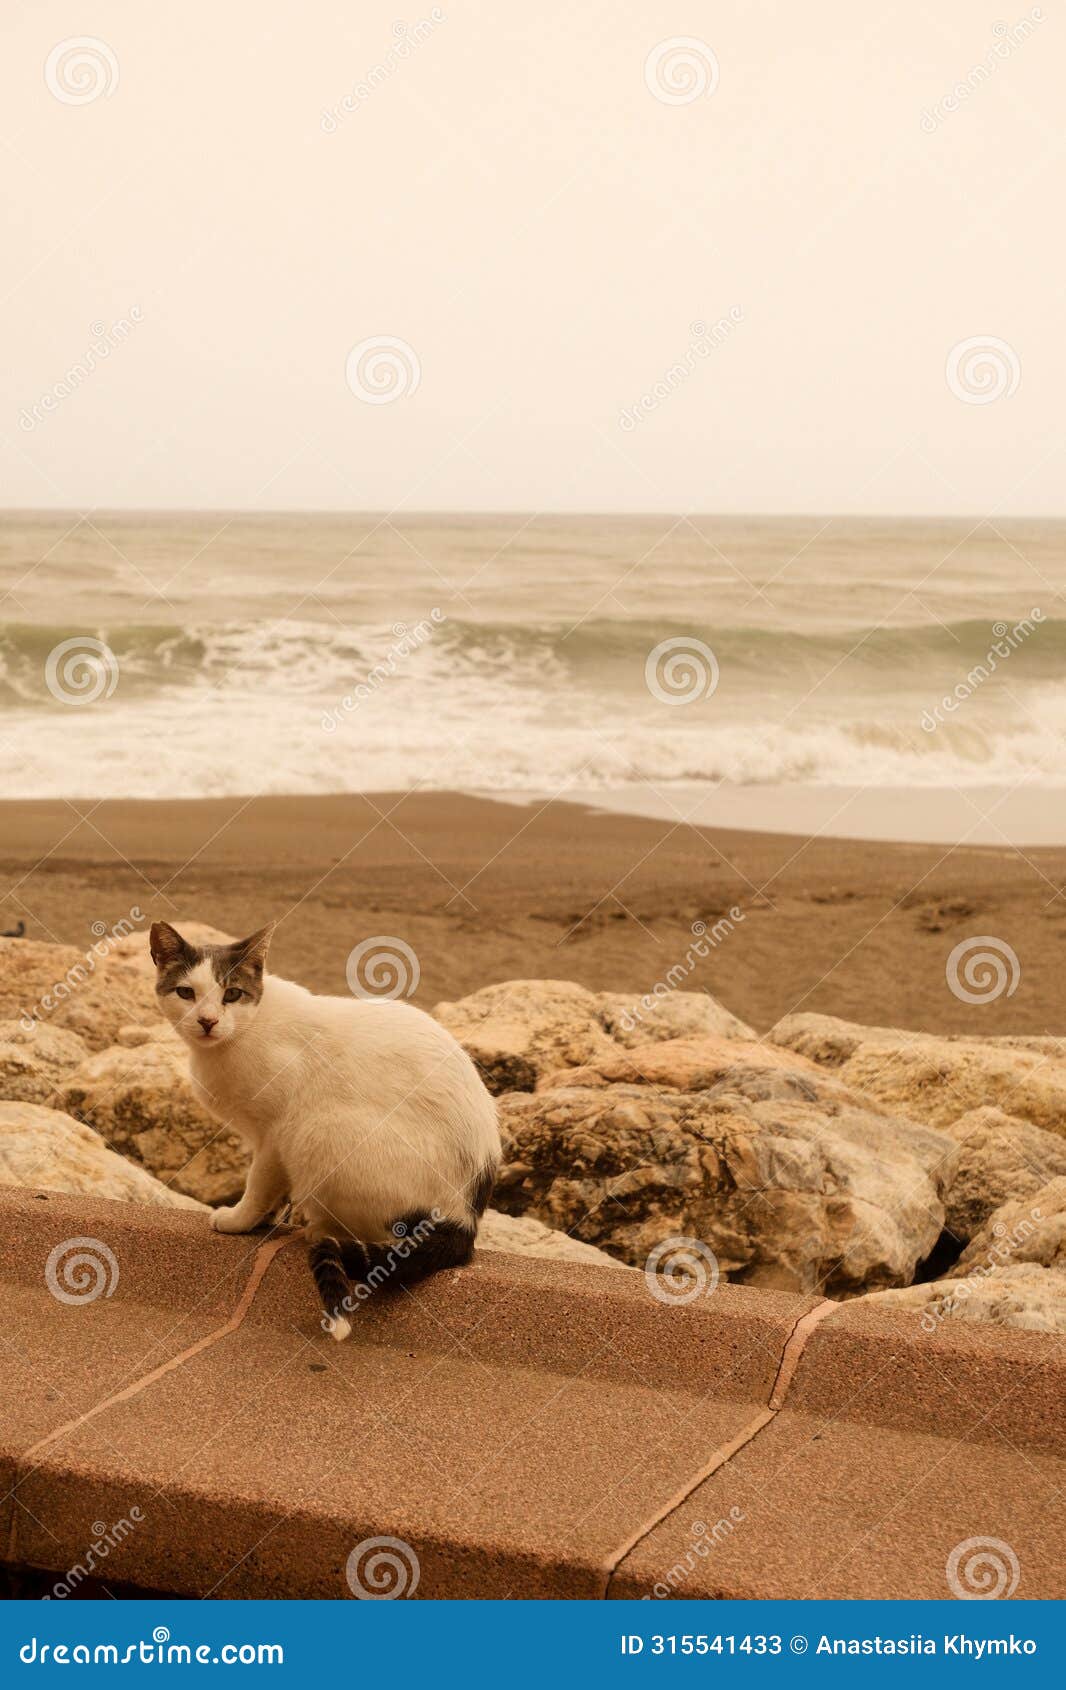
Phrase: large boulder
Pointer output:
(667, 1014)
(47, 1149)
(59, 986)
(522, 1030)
(34, 1057)
(1021, 1295)
(1013, 1272)
(137, 1095)
(1027, 1229)
(789, 1178)
(936, 1079)
(694, 1064)
(1000, 1158)
(521, 1235)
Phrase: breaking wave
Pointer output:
(291, 706)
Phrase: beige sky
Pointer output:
(514, 201)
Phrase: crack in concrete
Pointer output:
(791, 1351)
(26, 1462)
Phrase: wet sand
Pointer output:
(484, 891)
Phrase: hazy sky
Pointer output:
(548, 208)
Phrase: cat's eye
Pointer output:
(185, 992)
(232, 994)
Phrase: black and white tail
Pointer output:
(347, 1271)
(327, 1266)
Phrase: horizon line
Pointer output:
(371, 514)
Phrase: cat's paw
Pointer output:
(231, 1220)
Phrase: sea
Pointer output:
(866, 677)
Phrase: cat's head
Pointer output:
(209, 993)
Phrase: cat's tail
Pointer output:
(423, 1242)
(347, 1272)
(327, 1265)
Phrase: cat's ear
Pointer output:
(167, 945)
(252, 952)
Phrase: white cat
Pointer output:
(366, 1114)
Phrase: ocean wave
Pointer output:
(234, 747)
(301, 655)
(290, 706)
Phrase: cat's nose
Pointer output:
(207, 1022)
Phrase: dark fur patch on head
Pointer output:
(174, 973)
(172, 955)
(241, 964)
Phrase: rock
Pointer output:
(937, 1079)
(789, 1178)
(35, 1057)
(522, 1030)
(141, 1101)
(1000, 1158)
(45, 1148)
(59, 986)
(1021, 1295)
(522, 1235)
(1013, 1273)
(679, 1065)
(160, 1032)
(1028, 1229)
(636, 1022)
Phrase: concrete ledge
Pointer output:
(896, 1446)
(527, 1428)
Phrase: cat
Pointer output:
(366, 1114)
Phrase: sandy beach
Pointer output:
(485, 891)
